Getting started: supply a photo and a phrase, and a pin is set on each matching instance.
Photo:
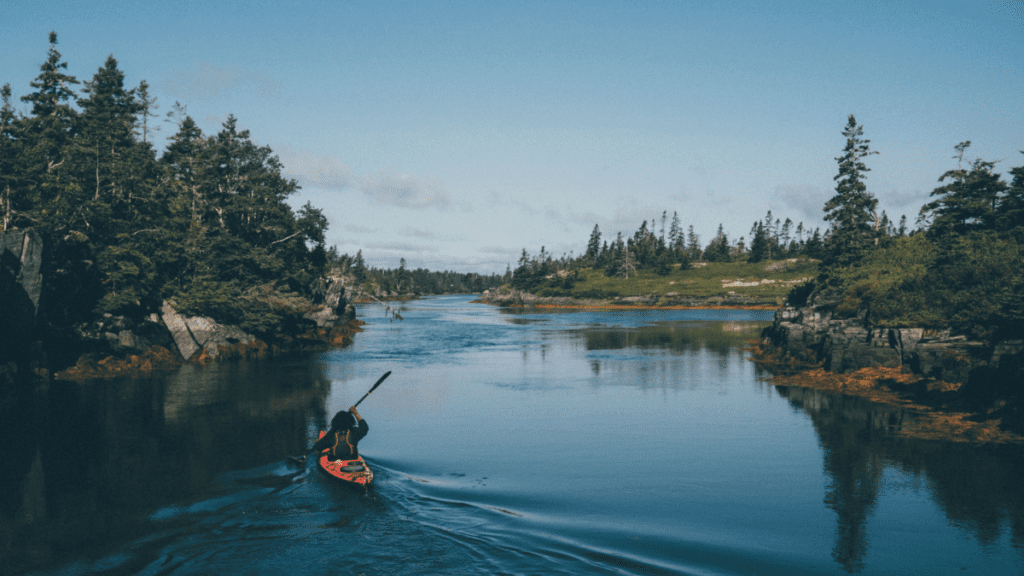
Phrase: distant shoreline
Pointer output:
(582, 306)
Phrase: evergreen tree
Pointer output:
(359, 267)
(718, 249)
(759, 249)
(47, 138)
(851, 211)
(676, 241)
(693, 245)
(10, 185)
(147, 105)
(594, 246)
(103, 151)
(1011, 208)
(969, 202)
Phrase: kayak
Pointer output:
(352, 472)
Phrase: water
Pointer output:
(504, 442)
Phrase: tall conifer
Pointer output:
(851, 211)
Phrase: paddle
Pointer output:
(386, 374)
(301, 459)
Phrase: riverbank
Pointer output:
(158, 358)
(943, 410)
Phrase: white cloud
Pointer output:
(405, 190)
(316, 171)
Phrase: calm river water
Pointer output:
(505, 442)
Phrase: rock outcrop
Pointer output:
(813, 336)
(107, 345)
(21, 257)
(338, 309)
(193, 335)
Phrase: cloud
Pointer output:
(806, 199)
(403, 247)
(359, 229)
(204, 81)
(386, 187)
(316, 171)
(421, 233)
(503, 253)
(405, 190)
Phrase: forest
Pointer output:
(206, 221)
(959, 268)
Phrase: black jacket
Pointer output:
(343, 444)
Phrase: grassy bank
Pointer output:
(763, 280)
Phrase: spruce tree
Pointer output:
(969, 202)
(47, 137)
(10, 187)
(759, 244)
(851, 211)
(594, 246)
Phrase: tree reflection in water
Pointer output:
(977, 487)
(83, 462)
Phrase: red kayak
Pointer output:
(353, 472)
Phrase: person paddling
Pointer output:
(342, 440)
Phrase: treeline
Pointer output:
(961, 270)
(405, 282)
(206, 222)
(668, 249)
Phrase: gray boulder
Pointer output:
(336, 307)
(192, 335)
(21, 282)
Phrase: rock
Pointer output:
(812, 335)
(337, 308)
(21, 284)
(197, 334)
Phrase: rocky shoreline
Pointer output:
(973, 385)
(32, 351)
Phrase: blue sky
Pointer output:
(455, 134)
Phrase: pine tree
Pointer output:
(676, 241)
(718, 249)
(10, 186)
(970, 202)
(594, 246)
(147, 105)
(1011, 207)
(851, 211)
(359, 267)
(106, 135)
(759, 244)
(693, 245)
(47, 138)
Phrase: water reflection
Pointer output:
(83, 462)
(977, 488)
